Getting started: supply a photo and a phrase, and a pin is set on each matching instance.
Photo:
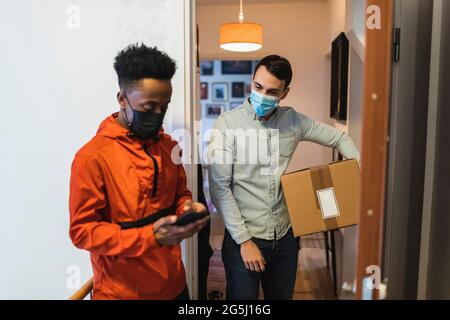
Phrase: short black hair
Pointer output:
(278, 66)
(137, 62)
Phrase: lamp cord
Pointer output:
(241, 14)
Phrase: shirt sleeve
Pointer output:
(323, 134)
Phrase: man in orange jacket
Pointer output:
(126, 192)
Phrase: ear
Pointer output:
(121, 99)
(286, 92)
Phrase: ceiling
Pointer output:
(236, 2)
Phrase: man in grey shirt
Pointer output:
(249, 150)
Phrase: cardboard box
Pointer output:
(323, 198)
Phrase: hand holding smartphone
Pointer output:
(188, 218)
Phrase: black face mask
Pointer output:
(145, 125)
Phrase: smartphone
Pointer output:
(188, 218)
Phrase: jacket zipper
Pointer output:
(156, 173)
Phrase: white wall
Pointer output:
(57, 85)
(356, 18)
(298, 31)
(348, 16)
(337, 10)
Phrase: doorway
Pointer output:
(307, 44)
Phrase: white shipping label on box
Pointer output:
(328, 203)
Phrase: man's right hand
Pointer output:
(170, 235)
(252, 256)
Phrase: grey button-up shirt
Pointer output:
(246, 158)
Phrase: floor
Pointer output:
(313, 279)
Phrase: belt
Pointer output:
(148, 219)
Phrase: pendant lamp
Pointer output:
(241, 36)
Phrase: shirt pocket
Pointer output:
(286, 143)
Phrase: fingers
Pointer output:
(261, 265)
(195, 226)
(170, 235)
(187, 231)
(256, 266)
(199, 207)
(188, 205)
(194, 206)
(203, 222)
(250, 266)
(164, 222)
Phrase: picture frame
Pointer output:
(207, 68)
(237, 67)
(220, 91)
(237, 89)
(339, 78)
(203, 90)
(213, 110)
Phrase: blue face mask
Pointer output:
(263, 104)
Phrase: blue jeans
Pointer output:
(278, 279)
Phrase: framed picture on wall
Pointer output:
(237, 89)
(237, 67)
(204, 91)
(213, 110)
(207, 68)
(220, 91)
(339, 78)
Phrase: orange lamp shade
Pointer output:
(241, 36)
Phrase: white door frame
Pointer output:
(191, 114)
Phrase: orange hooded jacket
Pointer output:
(114, 180)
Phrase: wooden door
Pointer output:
(377, 91)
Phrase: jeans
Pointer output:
(278, 279)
